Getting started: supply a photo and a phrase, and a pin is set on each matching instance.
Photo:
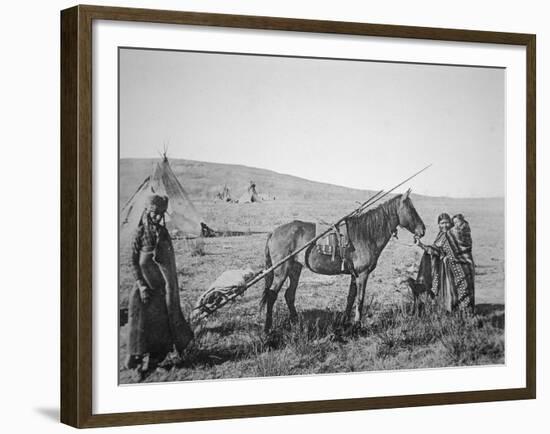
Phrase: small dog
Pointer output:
(417, 290)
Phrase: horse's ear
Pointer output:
(405, 195)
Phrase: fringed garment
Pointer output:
(447, 270)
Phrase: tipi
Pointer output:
(224, 195)
(250, 195)
(182, 216)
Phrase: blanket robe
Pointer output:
(447, 269)
(156, 326)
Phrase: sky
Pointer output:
(359, 124)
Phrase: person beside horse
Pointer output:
(447, 269)
(368, 232)
(156, 322)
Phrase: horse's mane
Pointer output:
(375, 223)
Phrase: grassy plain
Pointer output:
(231, 343)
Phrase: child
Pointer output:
(462, 233)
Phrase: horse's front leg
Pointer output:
(351, 299)
(361, 288)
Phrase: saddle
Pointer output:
(335, 244)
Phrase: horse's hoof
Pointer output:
(351, 328)
(347, 327)
(270, 339)
(356, 327)
(337, 337)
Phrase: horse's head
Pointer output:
(408, 217)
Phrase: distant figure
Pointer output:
(156, 322)
(252, 192)
(250, 195)
(447, 267)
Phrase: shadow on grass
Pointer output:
(213, 356)
(489, 308)
(194, 357)
(323, 321)
(312, 325)
(393, 334)
(492, 313)
(224, 327)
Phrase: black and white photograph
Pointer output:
(283, 216)
(247, 217)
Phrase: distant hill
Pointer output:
(203, 180)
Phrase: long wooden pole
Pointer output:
(261, 275)
(371, 200)
(309, 243)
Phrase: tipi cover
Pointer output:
(224, 195)
(250, 195)
(182, 214)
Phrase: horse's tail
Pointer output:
(269, 277)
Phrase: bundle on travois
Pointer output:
(233, 283)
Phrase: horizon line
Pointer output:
(312, 180)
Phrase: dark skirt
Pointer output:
(155, 326)
(148, 325)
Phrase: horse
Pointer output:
(368, 232)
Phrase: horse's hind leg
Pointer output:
(290, 293)
(271, 295)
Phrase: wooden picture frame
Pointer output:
(77, 205)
